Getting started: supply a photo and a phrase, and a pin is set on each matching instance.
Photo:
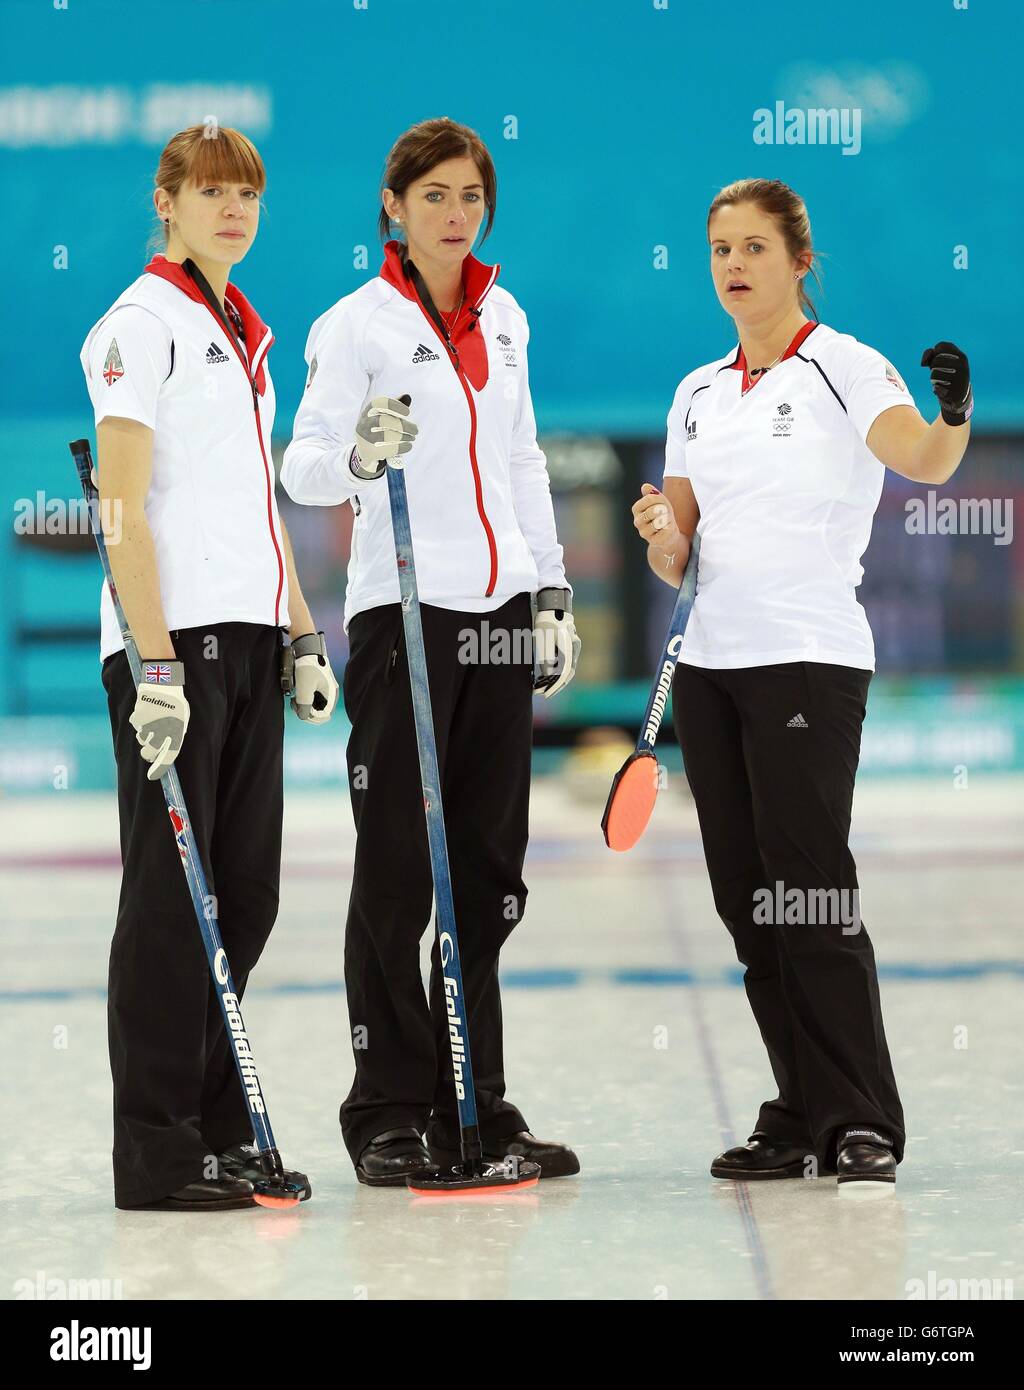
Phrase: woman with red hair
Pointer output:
(178, 375)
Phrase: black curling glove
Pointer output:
(951, 381)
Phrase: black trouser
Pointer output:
(483, 719)
(774, 795)
(177, 1096)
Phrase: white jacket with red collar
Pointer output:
(483, 525)
(162, 356)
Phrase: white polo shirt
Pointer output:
(160, 355)
(787, 489)
(480, 507)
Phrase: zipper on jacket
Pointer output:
(270, 495)
(441, 330)
(213, 305)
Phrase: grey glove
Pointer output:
(555, 643)
(306, 675)
(160, 716)
(384, 431)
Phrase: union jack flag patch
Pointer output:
(893, 377)
(154, 673)
(113, 367)
(180, 826)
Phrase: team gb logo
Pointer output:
(508, 350)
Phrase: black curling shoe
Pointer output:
(865, 1156)
(761, 1157)
(243, 1161)
(393, 1156)
(554, 1160)
(225, 1193)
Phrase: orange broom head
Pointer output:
(630, 801)
(487, 1191)
(280, 1191)
(266, 1199)
(495, 1181)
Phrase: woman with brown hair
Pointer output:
(178, 375)
(434, 326)
(776, 455)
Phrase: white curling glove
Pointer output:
(383, 432)
(160, 716)
(556, 647)
(312, 686)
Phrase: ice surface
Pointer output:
(627, 1035)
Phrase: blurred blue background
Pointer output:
(612, 126)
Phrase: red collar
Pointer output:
(477, 278)
(740, 364)
(255, 329)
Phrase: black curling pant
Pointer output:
(771, 755)
(177, 1096)
(483, 719)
